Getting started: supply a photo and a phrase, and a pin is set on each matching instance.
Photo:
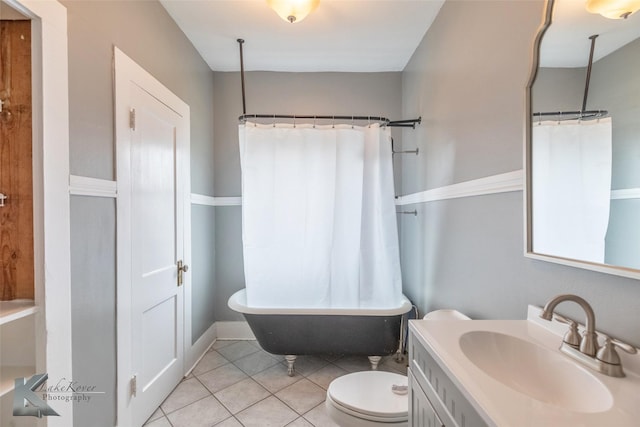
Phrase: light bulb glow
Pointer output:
(613, 9)
(293, 10)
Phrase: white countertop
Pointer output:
(499, 404)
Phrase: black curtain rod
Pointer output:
(382, 120)
(573, 115)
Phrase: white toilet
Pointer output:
(367, 399)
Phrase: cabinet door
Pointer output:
(421, 412)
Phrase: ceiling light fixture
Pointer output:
(293, 10)
(613, 9)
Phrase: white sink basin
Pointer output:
(535, 371)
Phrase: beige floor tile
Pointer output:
(269, 412)
(222, 377)
(324, 376)
(155, 415)
(241, 395)
(275, 378)
(256, 362)
(354, 363)
(306, 365)
(319, 418)
(229, 422)
(211, 360)
(222, 343)
(255, 343)
(300, 422)
(159, 422)
(389, 364)
(203, 413)
(238, 350)
(188, 391)
(302, 396)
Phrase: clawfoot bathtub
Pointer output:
(293, 332)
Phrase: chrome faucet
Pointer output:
(589, 341)
(585, 349)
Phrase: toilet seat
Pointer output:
(368, 396)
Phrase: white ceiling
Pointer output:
(566, 43)
(340, 35)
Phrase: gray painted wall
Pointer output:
(376, 94)
(467, 81)
(146, 33)
(93, 299)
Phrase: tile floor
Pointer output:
(237, 384)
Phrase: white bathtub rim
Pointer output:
(238, 302)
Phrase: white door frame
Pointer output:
(52, 229)
(126, 71)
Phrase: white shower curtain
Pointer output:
(318, 216)
(571, 186)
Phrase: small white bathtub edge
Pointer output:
(238, 302)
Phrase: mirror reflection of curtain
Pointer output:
(571, 188)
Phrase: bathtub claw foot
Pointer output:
(374, 362)
(291, 360)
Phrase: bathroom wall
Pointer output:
(145, 32)
(467, 80)
(376, 94)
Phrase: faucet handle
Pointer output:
(622, 345)
(572, 337)
(608, 353)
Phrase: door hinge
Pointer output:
(182, 268)
(134, 385)
(132, 119)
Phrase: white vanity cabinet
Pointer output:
(434, 400)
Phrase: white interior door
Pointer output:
(153, 206)
(156, 248)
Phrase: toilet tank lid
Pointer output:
(445, 314)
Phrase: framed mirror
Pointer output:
(582, 150)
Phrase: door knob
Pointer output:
(182, 268)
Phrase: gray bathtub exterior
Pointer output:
(291, 334)
(347, 332)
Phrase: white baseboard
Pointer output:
(238, 330)
(200, 348)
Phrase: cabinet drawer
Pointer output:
(437, 385)
(421, 412)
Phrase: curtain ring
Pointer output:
(333, 122)
(294, 121)
(352, 119)
(314, 122)
(274, 120)
(369, 122)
